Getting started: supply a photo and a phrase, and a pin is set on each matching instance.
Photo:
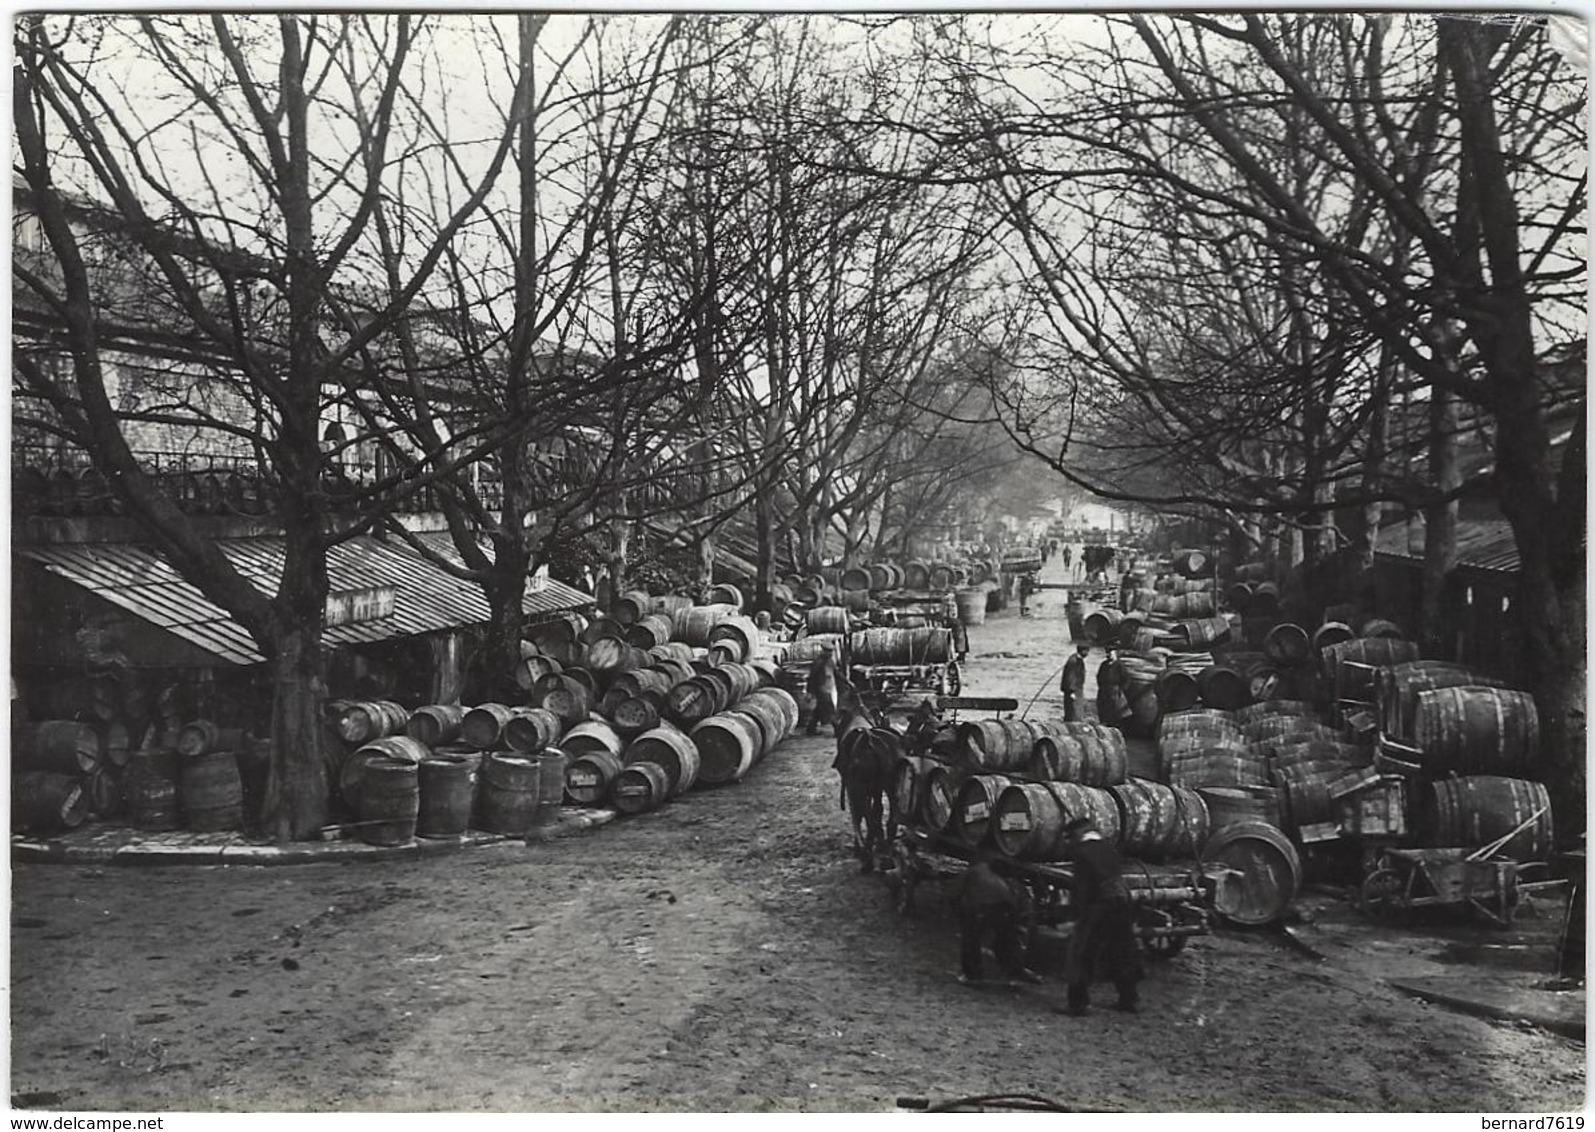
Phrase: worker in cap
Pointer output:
(1073, 684)
(988, 905)
(1104, 935)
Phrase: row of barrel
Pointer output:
(64, 773)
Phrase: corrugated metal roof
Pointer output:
(427, 598)
(1482, 544)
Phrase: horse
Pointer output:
(867, 750)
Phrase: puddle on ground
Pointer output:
(1511, 956)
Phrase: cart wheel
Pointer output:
(952, 681)
(1381, 894)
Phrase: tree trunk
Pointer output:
(296, 786)
(1440, 526)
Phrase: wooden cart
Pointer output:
(1404, 879)
(1171, 904)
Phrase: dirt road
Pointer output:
(723, 953)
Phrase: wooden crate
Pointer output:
(1375, 809)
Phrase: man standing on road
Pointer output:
(987, 905)
(1104, 933)
(822, 686)
(1073, 686)
(1112, 704)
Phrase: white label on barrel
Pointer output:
(1014, 821)
(631, 791)
(579, 779)
(976, 811)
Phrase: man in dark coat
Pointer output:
(988, 905)
(822, 686)
(1073, 685)
(1104, 934)
(1112, 703)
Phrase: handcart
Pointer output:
(1404, 879)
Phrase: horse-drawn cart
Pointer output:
(892, 663)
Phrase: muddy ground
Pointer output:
(723, 953)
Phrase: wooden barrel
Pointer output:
(1331, 633)
(602, 629)
(1379, 628)
(530, 730)
(1176, 690)
(650, 632)
(910, 781)
(1266, 872)
(1227, 805)
(589, 777)
(728, 745)
(1288, 643)
(612, 655)
(692, 701)
(1202, 631)
(508, 791)
(558, 635)
(1196, 768)
(360, 721)
(636, 714)
(726, 594)
(1367, 653)
(212, 793)
(827, 619)
(776, 713)
(669, 604)
(740, 633)
(640, 787)
(446, 795)
(398, 748)
(1473, 811)
(103, 789)
(1398, 686)
(1148, 818)
(1192, 823)
(1317, 750)
(1477, 731)
(941, 797)
(435, 725)
(1239, 596)
(530, 669)
(43, 802)
(551, 764)
(1102, 625)
(591, 735)
(60, 746)
(1086, 753)
(916, 575)
(1254, 712)
(1273, 727)
(483, 726)
(971, 605)
(390, 802)
(1210, 724)
(632, 606)
(1223, 688)
(1201, 604)
(1031, 817)
(693, 625)
(203, 736)
(1304, 793)
(671, 749)
(854, 578)
(975, 806)
(150, 789)
(571, 700)
(901, 646)
(675, 651)
(997, 744)
(854, 601)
